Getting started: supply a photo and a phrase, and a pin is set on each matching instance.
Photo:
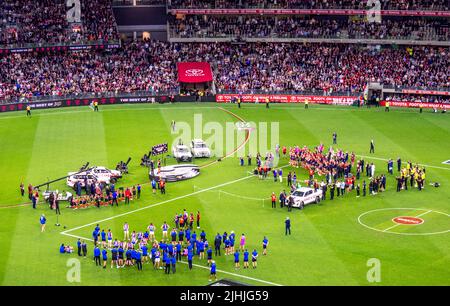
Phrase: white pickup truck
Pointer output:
(199, 149)
(182, 153)
(305, 195)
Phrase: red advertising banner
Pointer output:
(417, 104)
(194, 72)
(426, 92)
(305, 12)
(337, 100)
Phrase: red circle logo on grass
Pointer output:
(408, 220)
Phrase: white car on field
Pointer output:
(305, 195)
(182, 153)
(81, 177)
(106, 175)
(199, 149)
(93, 175)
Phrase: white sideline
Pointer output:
(403, 162)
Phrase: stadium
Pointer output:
(224, 142)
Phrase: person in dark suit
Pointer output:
(217, 244)
(287, 226)
(58, 212)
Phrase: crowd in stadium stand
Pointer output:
(417, 98)
(134, 68)
(311, 4)
(151, 66)
(30, 21)
(307, 27)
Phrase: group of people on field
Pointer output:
(180, 243)
(108, 196)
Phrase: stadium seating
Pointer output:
(151, 66)
(308, 27)
(44, 22)
(311, 4)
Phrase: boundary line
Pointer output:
(403, 162)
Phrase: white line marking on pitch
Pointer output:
(397, 233)
(160, 203)
(384, 159)
(54, 112)
(398, 224)
(199, 266)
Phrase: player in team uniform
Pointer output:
(246, 255)
(105, 257)
(265, 245)
(103, 235)
(213, 271)
(110, 238)
(114, 258)
(144, 249)
(236, 259)
(254, 258)
(165, 227)
(209, 255)
(121, 251)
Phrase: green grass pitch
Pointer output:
(330, 244)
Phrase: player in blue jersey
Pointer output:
(254, 258)
(213, 271)
(190, 256)
(121, 257)
(227, 245)
(178, 248)
(114, 257)
(103, 236)
(209, 253)
(104, 257)
(265, 245)
(236, 260)
(201, 249)
(246, 255)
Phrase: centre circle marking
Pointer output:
(411, 220)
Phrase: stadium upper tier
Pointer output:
(311, 4)
(45, 21)
(151, 66)
(197, 26)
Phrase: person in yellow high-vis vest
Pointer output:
(420, 108)
(387, 106)
(28, 111)
(95, 106)
(306, 103)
